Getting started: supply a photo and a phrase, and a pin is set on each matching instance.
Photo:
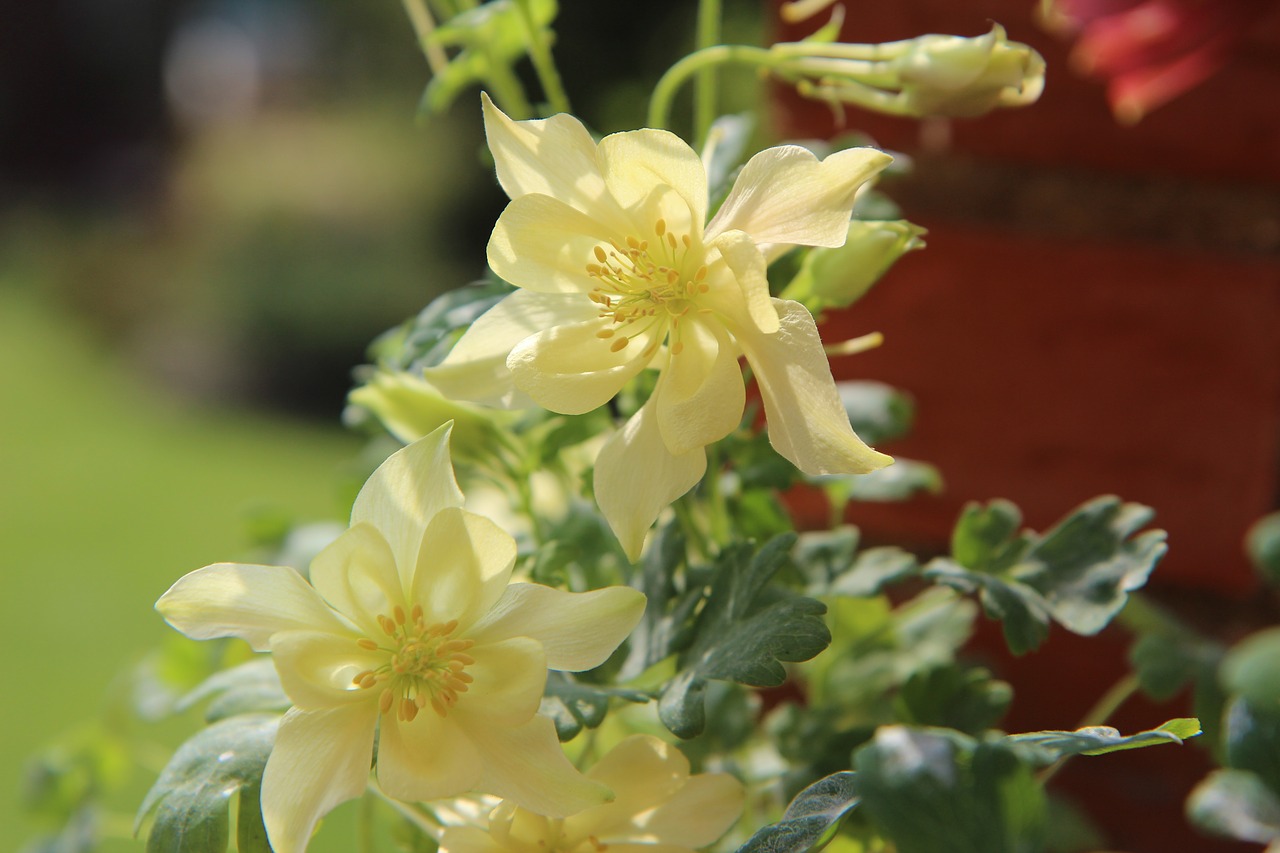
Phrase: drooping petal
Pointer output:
(700, 396)
(526, 764)
(317, 669)
(643, 772)
(544, 245)
(747, 268)
(428, 758)
(463, 567)
(807, 422)
(357, 575)
(570, 369)
(510, 677)
(786, 195)
(577, 630)
(405, 492)
(554, 157)
(476, 367)
(637, 477)
(635, 162)
(469, 839)
(320, 760)
(705, 808)
(245, 601)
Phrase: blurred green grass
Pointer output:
(111, 491)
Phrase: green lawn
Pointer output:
(111, 491)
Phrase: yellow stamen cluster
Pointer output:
(643, 285)
(425, 666)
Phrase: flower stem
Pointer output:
(507, 90)
(704, 91)
(366, 843)
(423, 25)
(678, 74)
(1101, 711)
(543, 62)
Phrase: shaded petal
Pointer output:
(357, 575)
(526, 764)
(807, 422)
(510, 676)
(320, 760)
(476, 367)
(637, 477)
(543, 244)
(705, 808)
(316, 669)
(463, 567)
(635, 162)
(748, 269)
(786, 195)
(700, 396)
(577, 630)
(429, 758)
(469, 839)
(554, 157)
(245, 601)
(643, 772)
(570, 369)
(410, 487)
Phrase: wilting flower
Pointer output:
(659, 808)
(618, 272)
(409, 628)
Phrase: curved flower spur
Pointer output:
(619, 270)
(410, 628)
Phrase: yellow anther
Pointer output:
(660, 227)
(684, 238)
(600, 255)
(701, 273)
(399, 614)
(439, 707)
(632, 242)
(672, 276)
(671, 240)
(408, 710)
(677, 348)
(367, 644)
(605, 333)
(387, 625)
(464, 660)
(368, 681)
(416, 613)
(385, 700)
(621, 342)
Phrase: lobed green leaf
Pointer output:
(810, 819)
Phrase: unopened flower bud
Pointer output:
(836, 278)
(410, 407)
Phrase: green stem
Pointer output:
(507, 90)
(543, 63)
(423, 25)
(704, 91)
(365, 823)
(1108, 704)
(677, 75)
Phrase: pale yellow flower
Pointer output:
(409, 628)
(619, 270)
(659, 808)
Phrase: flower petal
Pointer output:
(635, 162)
(463, 567)
(700, 396)
(570, 369)
(320, 760)
(807, 422)
(403, 494)
(542, 244)
(426, 759)
(357, 575)
(637, 477)
(786, 195)
(510, 676)
(643, 772)
(245, 601)
(705, 808)
(317, 669)
(747, 267)
(554, 157)
(526, 764)
(577, 630)
(476, 367)
(469, 839)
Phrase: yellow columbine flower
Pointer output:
(659, 808)
(409, 627)
(619, 270)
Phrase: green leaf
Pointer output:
(251, 831)
(830, 561)
(251, 686)
(425, 340)
(726, 146)
(810, 818)
(1235, 804)
(741, 635)
(1262, 543)
(936, 790)
(1078, 574)
(877, 412)
(966, 699)
(573, 706)
(1048, 746)
(191, 796)
(665, 626)
(1251, 668)
(898, 482)
(1252, 739)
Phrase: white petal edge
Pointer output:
(807, 422)
(320, 760)
(637, 477)
(405, 492)
(246, 601)
(577, 630)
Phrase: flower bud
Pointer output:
(836, 278)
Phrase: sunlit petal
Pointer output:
(320, 760)
(700, 396)
(357, 574)
(633, 163)
(570, 369)
(643, 772)
(705, 808)
(748, 270)
(510, 676)
(544, 245)
(463, 567)
(577, 630)
(426, 759)
(318, 670)
(469, 839)
(245, 601)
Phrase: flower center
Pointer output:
(642, 285)
(425, 665)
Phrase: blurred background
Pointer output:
(208, 210)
